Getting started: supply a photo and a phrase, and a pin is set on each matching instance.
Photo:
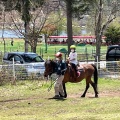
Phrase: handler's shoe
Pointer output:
(57, 97)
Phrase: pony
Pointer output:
(86, 72)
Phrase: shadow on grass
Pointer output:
(57, 99)
(12, 100)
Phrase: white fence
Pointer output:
(109, 69)
(19, 72)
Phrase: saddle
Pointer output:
(73, 75)
(80, 68)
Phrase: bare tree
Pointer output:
(75, 9)
(2, 13)
(39, 20)
(24, 8)
(105, 12)
(35, 26)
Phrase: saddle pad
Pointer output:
(80, 67)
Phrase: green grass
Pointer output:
(29, 100)
(19, 46)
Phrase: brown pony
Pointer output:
(86, 72)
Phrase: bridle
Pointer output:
(50, 67)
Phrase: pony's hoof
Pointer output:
(96, 96)
(65, 96)
(82, 96)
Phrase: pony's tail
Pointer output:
(95, 75)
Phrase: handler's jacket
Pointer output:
(61, 66)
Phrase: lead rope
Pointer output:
(52, 82)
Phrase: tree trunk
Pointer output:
(69, 24)
(34, 45)
(98, 47)
(98, 32)
(26, 25)
(26, 19)
(3, 32)
(34, 49)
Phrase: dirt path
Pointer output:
(88, 95)
(102, 94)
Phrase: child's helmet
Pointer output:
(58, 54)
(72, 47)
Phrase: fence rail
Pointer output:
(18, 72)
(107, 69)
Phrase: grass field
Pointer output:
(29, 100)
(18, 45)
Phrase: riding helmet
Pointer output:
(72, 47)
(58, 54)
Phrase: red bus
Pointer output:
(76, 39)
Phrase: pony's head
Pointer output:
(50, 67)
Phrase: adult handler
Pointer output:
(61, 66)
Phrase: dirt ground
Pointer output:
(101, 94)
(88, 95)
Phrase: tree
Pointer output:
(24, 7)
(48, 30)
(104, 13)
(2, 13)
(112, 35)
(75, 8)
(36, 19)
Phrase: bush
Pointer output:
(112, 35)
(5, 76)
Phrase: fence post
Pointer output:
(40, 51)
(55, 50)
(86, 54)
(13, 82)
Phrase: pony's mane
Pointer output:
(51, 61)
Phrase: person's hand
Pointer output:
(72, 59)
(68, 58)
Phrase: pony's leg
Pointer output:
(95, 88)
(87, 86)
(64, 88)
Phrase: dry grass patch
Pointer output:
(29, 100)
